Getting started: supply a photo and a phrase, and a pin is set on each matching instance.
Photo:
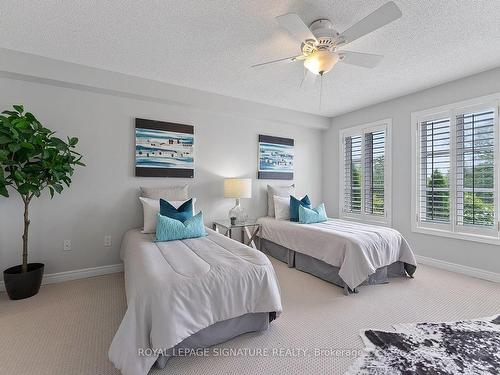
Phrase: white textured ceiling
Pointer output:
(210, 45)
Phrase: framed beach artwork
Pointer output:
(163, 149)
(275, 158)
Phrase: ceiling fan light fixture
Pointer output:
(321, 62)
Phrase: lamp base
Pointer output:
(238, 213)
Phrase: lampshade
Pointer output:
(238, 188)
(320, 62)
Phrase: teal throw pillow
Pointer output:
(168, 229)
(312, 215)
(295, 204)
(184, 212)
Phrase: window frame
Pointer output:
(361, 130)
(489, 235)
(430, 117)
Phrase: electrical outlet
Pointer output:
(107, 241)
(67, 245)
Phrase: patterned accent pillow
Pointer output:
(295, 204)
(312, 215)
(168, 229)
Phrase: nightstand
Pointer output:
(250, 227)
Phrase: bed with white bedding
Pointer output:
(343, 252)
(189, 293)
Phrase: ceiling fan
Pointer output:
(320, 41)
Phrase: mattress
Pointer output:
(178, 288)
(358, 250)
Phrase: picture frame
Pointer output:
(163, 149)
(276, 157)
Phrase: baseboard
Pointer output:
(59, 277)
(458, 268)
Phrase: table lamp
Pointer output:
(238, 188)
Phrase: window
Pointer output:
(456, 183)
(475, 173)
(434, 205)
(366, 178)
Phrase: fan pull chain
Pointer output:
(303, 78)
(320, 91)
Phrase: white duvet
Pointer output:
(174, 289)
(357, 249)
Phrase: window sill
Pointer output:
(458, 236)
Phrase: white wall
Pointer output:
(103, 198)
(99, 107)
(472, 254)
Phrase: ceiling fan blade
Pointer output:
(382, 16)
(308, 80)
(283, 60)
(366, 60)
(295, 26)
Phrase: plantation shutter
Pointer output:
(347, 173)
(475, 173)
(374, 160)
(434, 204)
(352, 173)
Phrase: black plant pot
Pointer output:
(20, 284)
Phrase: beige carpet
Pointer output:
(67, 328)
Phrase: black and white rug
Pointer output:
(462, 347)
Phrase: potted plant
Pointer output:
(32, 160)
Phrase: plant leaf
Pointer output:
(14, 147)
(25, 189)
(58, 188)
(4, 139)
(3, 191)
(19, 108)
(27, 145)
(10, 113)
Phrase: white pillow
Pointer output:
(281, 207)
(151, 208)
(282, 191)
(169, 193)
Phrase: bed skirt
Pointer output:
(326, 271)
(219, 333)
